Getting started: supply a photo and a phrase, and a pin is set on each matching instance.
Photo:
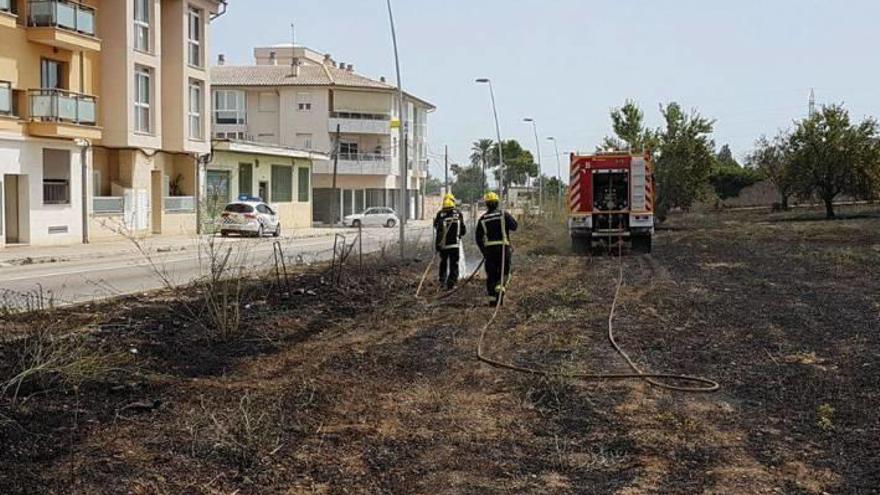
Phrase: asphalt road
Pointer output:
(72, 282)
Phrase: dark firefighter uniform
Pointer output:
(493, 239)
(449, 228)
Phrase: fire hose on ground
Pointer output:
(702, 385)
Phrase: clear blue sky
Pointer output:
(750, 64)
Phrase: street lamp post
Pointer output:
(404, 203)
(503, 167)
(558, 170)
(540, 167)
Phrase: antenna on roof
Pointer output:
(294, 62)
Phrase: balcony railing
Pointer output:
(179, 204)
(56, 105)
(358, 164)
(108, 205)
(360, 123)
(62, 14)
(363, 157)
(359, 116)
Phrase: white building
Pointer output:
(296, 97)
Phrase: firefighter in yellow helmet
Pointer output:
(493, 239)
(449, 228)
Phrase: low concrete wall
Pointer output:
(105, 227)
(295, 215)
(179, 224)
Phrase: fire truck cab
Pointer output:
(611, 197)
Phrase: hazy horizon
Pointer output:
(567, 63)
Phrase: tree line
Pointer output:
(821, 158)
(824, 156)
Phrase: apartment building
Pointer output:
(49, 113)
(103, 117)
(299, 98)
(155, 84)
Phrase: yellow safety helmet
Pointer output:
(448, 202)
(491, 198)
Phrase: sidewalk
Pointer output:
(114, 248)
(110, 248)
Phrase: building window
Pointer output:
(217, 187)
(195, 109)
(142, 25)
(230, 107)
(56, 177)
(194, 37)
(282, 184)
(305, 141)
(348, 150)
(51, 74)
(304, 184)
(143, 91)
(304, 102)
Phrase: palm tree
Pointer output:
(481, 150)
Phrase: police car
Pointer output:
(249, 216)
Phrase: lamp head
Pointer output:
(483, 80)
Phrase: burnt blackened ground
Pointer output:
(366, 390)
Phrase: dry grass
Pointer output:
(47, 361)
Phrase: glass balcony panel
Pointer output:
(107, 205)
(42, 106)
(65, 15)
(6, 5)
(87, 111)
(5, 100)
(67, 108)
(85, 21)
(42, 13)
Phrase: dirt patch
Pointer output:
(363, 389)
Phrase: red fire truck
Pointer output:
(611, 197)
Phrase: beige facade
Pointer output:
(302, 104)
(155, 84)
(49, 113)
(280, 176)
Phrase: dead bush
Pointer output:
(243, 436)
(222, 295)
(46, 361)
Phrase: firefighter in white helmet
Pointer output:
(449, 228)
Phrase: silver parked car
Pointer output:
(372, 217)
(249, 218)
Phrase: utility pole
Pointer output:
(503, 167)
(558, 172)
(540, 168)
(485, 181)
(335, 202)
(403, 144)
(446, 167)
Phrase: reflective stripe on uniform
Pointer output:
(495, 217)
(447, 224)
